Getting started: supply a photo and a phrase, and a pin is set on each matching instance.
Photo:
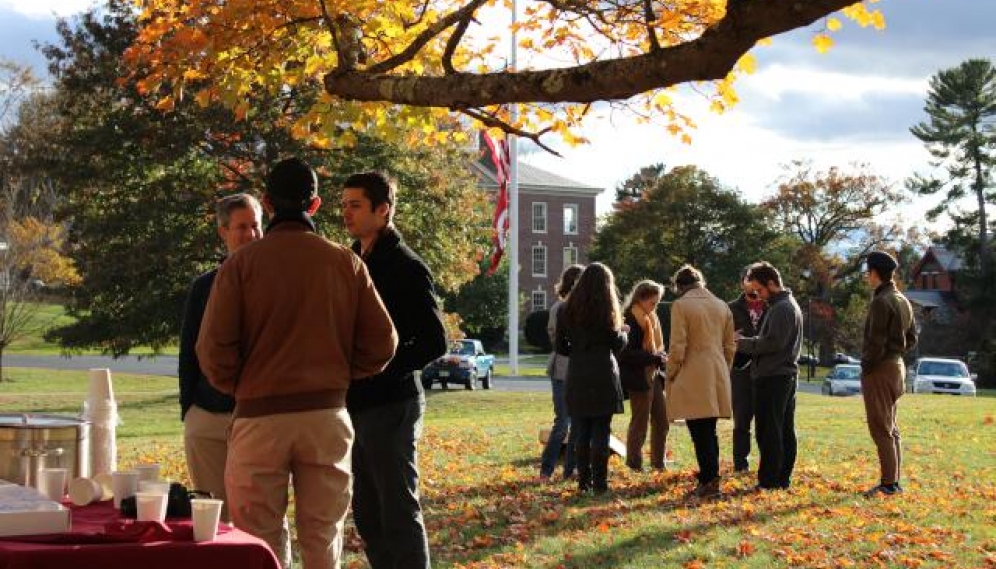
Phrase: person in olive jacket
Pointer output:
(387, 408)
(640, 371)
(889, 333)
(592, 332)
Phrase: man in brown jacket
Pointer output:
(292, 319)
(889, 333)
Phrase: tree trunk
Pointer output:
(980, 186)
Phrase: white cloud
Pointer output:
(776, 80)
(45, 8)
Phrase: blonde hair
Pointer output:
(641, 291)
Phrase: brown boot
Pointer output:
(707, 490)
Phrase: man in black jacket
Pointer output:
(747, 311)
(387, 409)
(205, 411)
(774, 371)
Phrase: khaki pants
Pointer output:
(644, 406)
(205, 441)
(310, 448)
(881, 388)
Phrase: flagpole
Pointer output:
(513, 225)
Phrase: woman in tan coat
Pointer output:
(698, 370)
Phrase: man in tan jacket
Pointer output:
(292, 319)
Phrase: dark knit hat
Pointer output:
(883, 263)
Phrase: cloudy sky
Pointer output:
(853, 104)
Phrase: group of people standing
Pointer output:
(736, 359)
(297, 363)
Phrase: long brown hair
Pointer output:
(594, 302)
(642, 291)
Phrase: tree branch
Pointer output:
(648, 14)
(419, 42)
(452, 44)
(495, 122)
(710, 56)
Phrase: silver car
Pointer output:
(845, 379)
(941, 375)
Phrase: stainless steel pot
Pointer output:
(30, 442)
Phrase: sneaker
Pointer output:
(883, 490)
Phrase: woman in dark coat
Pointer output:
(592, 333)
(641, 374)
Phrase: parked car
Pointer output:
(941, 375)
(842, 358)
(465, 363)
(844, 379)
(806, 359)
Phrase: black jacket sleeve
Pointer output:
(634, 355)
(189, 369)
(421, 333)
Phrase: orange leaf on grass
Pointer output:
(745, 549)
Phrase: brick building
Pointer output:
(932, 285)
(556, 227)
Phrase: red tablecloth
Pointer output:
(100, 538)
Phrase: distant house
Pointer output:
(556, 227)
(932, 284)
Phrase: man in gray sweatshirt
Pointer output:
(774, 371)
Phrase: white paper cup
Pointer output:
(124, 484)
(205, 513)
(154, 486)
(151, 506)
(106, 482)
(52, 483)
(83, 491)
(100, 385)
(148, 472)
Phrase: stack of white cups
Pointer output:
(101, 411)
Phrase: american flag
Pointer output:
(497, 154)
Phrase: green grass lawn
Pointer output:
(48, 316)
(484, 507)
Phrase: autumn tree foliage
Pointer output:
(836, 215)
(684, 215)
(422, 63)
(32, 256)
(139, 185)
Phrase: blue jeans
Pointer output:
(561, 427)
(386, 505)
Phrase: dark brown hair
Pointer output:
(594, 302)
(685, 278)
(764, 273)
(567, 280)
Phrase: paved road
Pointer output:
(166, 365)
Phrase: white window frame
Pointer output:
(539, 293)
(570, 255)
(577, 218)
(542, 219)
(532, 259)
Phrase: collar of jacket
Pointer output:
(285, 217)
(784, 294)
(885, 287)
(389, 238)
